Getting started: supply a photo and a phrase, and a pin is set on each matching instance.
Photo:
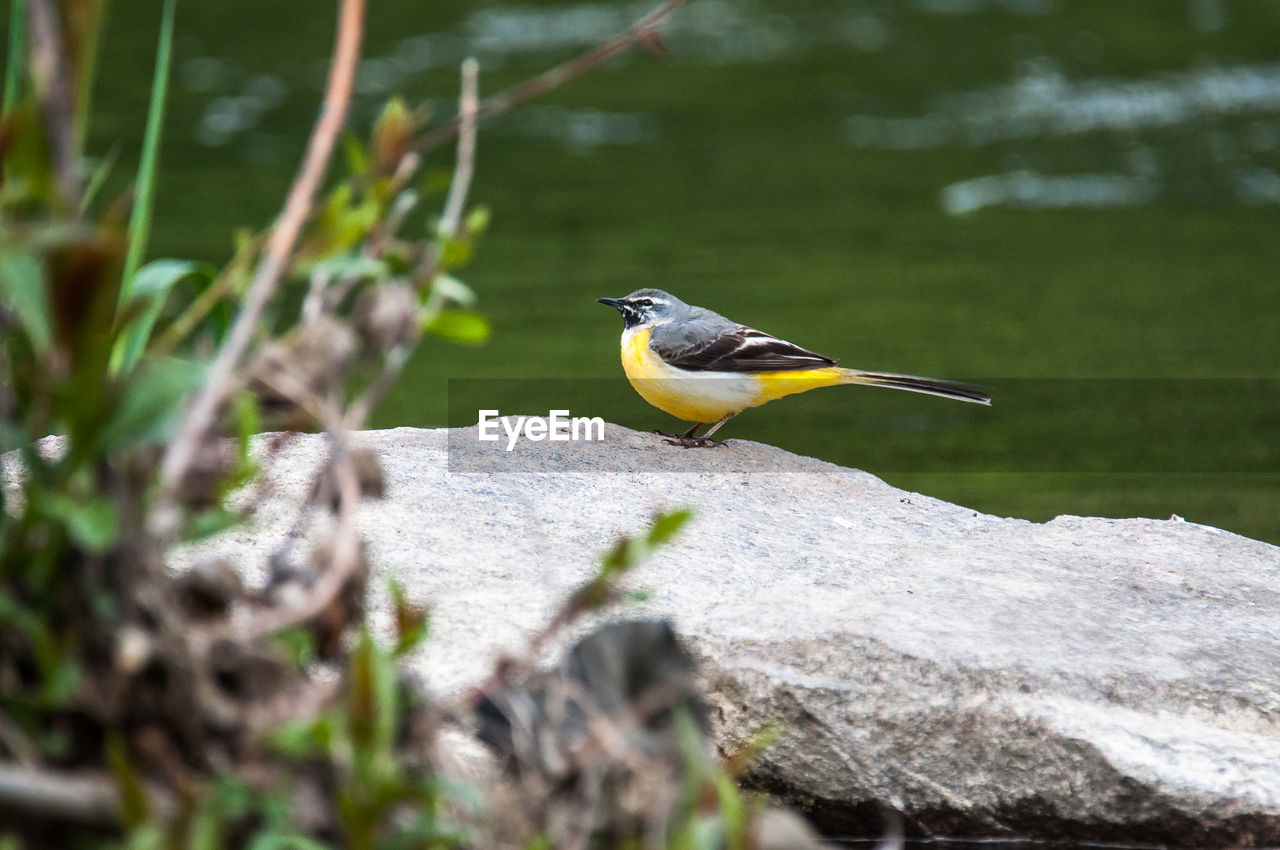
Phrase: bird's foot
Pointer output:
(693, 442)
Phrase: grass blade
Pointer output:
(92, 12)
(13, 59)
(98, 177)
(140, 219)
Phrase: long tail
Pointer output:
(929, 386)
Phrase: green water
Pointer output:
(788, 165)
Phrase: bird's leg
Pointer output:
(706, 435)
(685, 436)
(704, 442)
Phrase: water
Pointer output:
(975, 189)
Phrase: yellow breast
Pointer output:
(708, 396)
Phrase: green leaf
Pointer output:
(454, 290)
(666, 525)
(158, 277)
(462, 326)
(477, 221)
(629, 551)
(392, 134)
(353, 151)
(93, 524)
(295, 740)
(411, 620)
(149, 289)
(456, 249)
(733, 814)
(248, 417)
(455, 252)
(624, 555)
(22, 288)
(151, 403)
(372, 704)
(355, 266)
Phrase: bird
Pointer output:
(704, 368)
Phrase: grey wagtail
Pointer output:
(703, 368)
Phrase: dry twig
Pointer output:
(80, 797)
(297, 208)
(344, 561)
(468, 104)
(642, 32)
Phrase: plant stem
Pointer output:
(642, 31)
(467, 107)
(50, 75)
(144, 196)
(88, 71)
(297, 206)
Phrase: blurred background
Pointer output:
(1076, 202)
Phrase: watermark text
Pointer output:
(557, 426)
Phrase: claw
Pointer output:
(693, 442)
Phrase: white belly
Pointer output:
(691, 396)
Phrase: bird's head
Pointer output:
(646, 308)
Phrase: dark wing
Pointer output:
(744, 349)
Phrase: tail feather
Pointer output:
(929, 386)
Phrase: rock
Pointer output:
(1084, 678)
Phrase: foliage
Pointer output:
(106, 660)
(190, 703)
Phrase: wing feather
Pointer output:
(743, 349)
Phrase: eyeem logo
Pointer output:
(557, 426)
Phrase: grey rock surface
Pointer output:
(1084, 678)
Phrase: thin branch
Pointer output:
(53, 85)
(405, 200)
(392, 364)
(450, 222)
(79, 797)
(345, 553)
(343, 562)
(297, 207)
(314, 302)
(461, 183)
(641, 32)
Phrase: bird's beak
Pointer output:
(616, 303)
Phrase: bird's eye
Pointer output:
(645, 302)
